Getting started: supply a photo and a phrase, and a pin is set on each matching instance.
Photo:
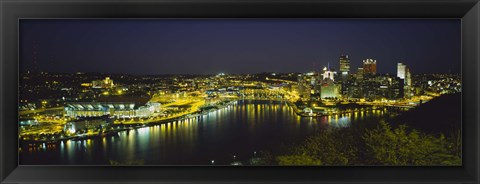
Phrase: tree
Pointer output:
(265, 158)
(298, 160)
(328, 147)
(387, 146)
(382, 145)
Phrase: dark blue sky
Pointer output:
(203, 46)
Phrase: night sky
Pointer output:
(210, 46)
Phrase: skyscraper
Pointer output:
(344, 64)
(403, 72)
(408, 83)
(369, 66)
(328, 75)
(359, 74)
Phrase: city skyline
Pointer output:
(323, 92)
(210, 46)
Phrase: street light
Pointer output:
(213, 162)
(234, 157)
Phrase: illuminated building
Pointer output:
(327, 74)
(27, 122)
(369, 66)
(304, 86)
(344, 64)
(408, 83)
(388, 87)
(403, 72)
(308, 111)
(313, 80)
(115, 109)
(106, 83)
(86, 123)
(328, 89)
(359, 74)
(305, 92)
(86, 84)
(373, 87)
(327, 86)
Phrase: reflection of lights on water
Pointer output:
(89, 142)
(323, 120)
(342, 121)
(69, 143)
(143, 131)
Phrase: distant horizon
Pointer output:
(205, 46)
(107, 73)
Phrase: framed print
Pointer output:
(239, 91)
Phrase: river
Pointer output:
(240, 129)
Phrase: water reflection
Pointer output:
(239, 129)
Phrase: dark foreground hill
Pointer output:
(440, 115)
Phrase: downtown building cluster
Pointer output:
(365, 83)
(80, 102)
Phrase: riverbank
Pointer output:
(239, 130)
(332, 110)
(117, 128)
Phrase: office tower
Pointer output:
(344, 64)
(403, 72)
(359, 74)
(369, 66)
(328, 75)
(408, 83)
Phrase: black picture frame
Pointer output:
(12, 10)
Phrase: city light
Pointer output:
(184, 112)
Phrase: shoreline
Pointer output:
(117, 128)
